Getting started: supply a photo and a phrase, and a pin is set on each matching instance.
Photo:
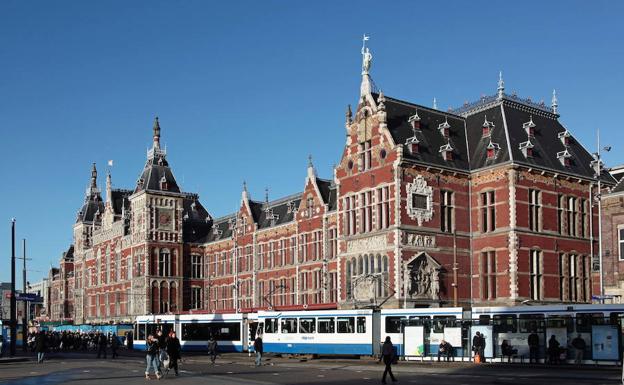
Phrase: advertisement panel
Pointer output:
(453, 336)
(414, 342)
(605, 343)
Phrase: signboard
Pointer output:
(453, 336)
(488, 332)
(28, 297)
(605, 343)
(414, 342)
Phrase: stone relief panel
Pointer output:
(366, 245)
(419, 200)
(423, 275)
(418, 240)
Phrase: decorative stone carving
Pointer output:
(366, 245)
(423, 275)
(364, 288)
(419, 240)
(493, 176)
(416, 190)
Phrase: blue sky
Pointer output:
(245, 90)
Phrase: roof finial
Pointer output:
(367, 57)
(501, 85)
(554, 103)
(156, 133)
(245, 186)
(435, 103)
(93, 176)
(266, 195)
(310, 161)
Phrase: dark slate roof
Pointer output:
(92, 204)
(69, 254)
(196, 220)
(156, 168)
(333, 200)
(280, 209)
(120, 200)
(220, 229)
(619, 187)
(478, 144)
(398, 113)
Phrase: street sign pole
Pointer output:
(26, 303)
(13, 299)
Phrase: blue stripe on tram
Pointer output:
(301, 348)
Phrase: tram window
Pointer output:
(505, 324)
(615, 318)
(289, 325)
(346, 325)
(393, 324)
(530, 323)
(361, 325)
(153, 328)
(270, 325)
(140, 332)
(439, 323)
(584, 321)
(326, 325)
(222, 331)
(307, 325)
(484, 320)
(560, 322)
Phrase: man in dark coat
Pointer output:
(174, 351)
(40, 346)
(102, 342)
(478, 345)
(114, 345)
(258, 348)
(387, 355)
(533, 341)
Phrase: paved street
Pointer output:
(238, 369)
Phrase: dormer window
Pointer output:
(488, 127)
(413, 145)
(564, 157)
(447, 151)
(163, 183)
(527, 149)
(564, 137)
(529, 127)
(444, 128)
(492, 150)
(414, 121)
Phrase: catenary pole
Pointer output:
(13, 302)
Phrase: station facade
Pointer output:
(490, 203)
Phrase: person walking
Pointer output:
(161, 341)
(533, 341)
(553, 350)
(152, 357)
(387, 355)
(40, 346)
(213, 349)
(579, 349)
(258, 349)
(102, 343)
(114, 345)
(174, 351)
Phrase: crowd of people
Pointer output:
(42, 342)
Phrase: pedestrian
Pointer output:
(1, 344)
(258, 349)
(40, 346)
(213, 348)
(114, 345)
(102, 342)
(478, 346)
(579, 349)
(387, 355)
(553, 350)
(533, 341)
(174, 351)
(161, 341)
(152, 357)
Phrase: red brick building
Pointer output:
(613, 238)
(489, 203)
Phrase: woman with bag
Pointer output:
(174, 352)
(152, 357)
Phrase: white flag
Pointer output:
(110, 163)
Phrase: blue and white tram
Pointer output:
(340, 332)
(194, 330)
(435, 321)
(515, 323)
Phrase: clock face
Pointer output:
(164, 218)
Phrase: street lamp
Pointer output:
(598, 167)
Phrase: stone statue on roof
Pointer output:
(367, 57)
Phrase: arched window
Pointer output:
(365, 265)
(173, 292)
(164, 298)
(348, 278)
(360, 265)
(385, 275)
(380, 281)
(117, 264)
(164, 263)
(155, 300)
(107, 261)
(371, 263)
(98, 267)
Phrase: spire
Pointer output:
(554, 103)
(156, 133)
(244, 194)
(109, 188)
(93, 176)
(311, 170)
(349, 115)
(435, 103)
(501, 85)
(266, 196)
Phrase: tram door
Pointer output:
(253, 328)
